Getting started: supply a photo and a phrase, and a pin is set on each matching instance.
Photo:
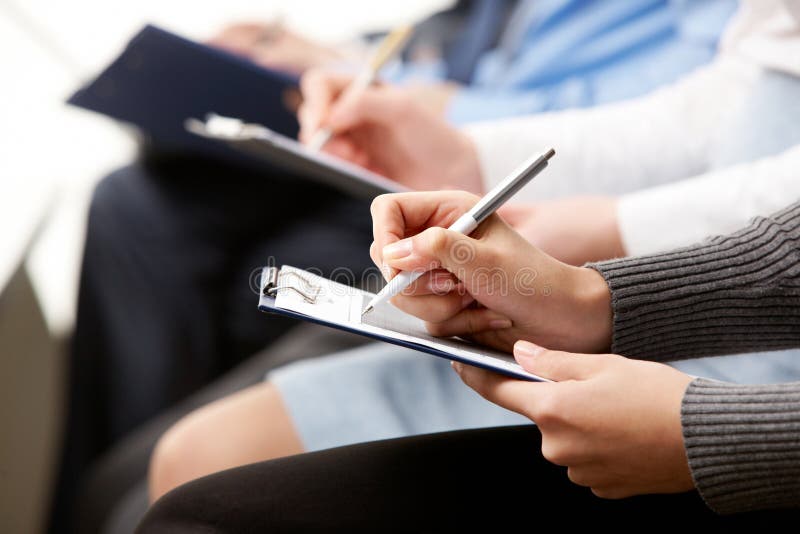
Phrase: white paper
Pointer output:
(342, 305)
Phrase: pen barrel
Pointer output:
(509, 186)
(399, 283)
(464, 224)
(320, 139)
(362, 81)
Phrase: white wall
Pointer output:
(50, 158)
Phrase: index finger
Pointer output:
(510, 393)
(320, 89)
(400, 215)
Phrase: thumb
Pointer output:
(438, 248)
(556, 365)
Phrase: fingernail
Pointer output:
(500, 324)
(526, 349)
(398, 250)
(457, 366)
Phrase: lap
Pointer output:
(380, 391)
(439, 482)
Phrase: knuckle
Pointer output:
(475, 323)
(310, 80)
(467, 199)
(439, 329)
(379, 204)
(609, 493)
(577, 476)
(474, 381)
(435, 240)
(545, 412)
(553, 452)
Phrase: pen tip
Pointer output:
(366, 311)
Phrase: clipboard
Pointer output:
(286, 153)
(160, 79)
(306, 296)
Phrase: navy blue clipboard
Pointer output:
(266, 304)
(162, 79)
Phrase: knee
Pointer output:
(113, 190)
(176, 459)
(127, 210)
(123, 197)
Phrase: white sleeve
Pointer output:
(621, 147)
(671, 216)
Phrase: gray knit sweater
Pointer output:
(731, 294)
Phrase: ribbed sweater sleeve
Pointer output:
(731, 294)
(743, 444)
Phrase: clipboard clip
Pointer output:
(228, 128)
(270, 284)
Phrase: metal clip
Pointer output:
(270, 287)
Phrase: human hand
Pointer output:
(614, 423)
(574, 230)
(491, 286)
(243, 38)
(386, 131)
(273, 45)
(433, 96)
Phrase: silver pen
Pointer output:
(391, 45)
(465, 224)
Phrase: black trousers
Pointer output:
(167, 300)
(488, 480)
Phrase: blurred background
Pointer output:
(51, 157)
(178, 225)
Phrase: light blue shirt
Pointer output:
(558, 54)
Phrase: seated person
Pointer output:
(177, 242)
(648, 440)
(195, 314)
(320, 404)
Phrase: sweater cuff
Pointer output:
(742, 444)
(729, 295)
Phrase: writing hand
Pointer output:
(491, 286)
(385, 130)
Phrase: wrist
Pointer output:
(594, 315)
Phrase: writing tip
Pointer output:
(366, 311)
